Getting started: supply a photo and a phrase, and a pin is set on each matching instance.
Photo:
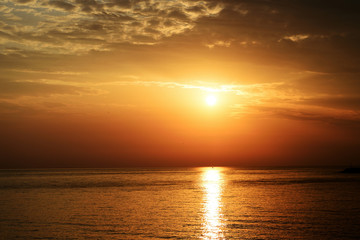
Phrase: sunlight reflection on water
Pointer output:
(212, 222)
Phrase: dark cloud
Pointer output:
(62, 5)
(301, 16)
(331, 28)
(9, 109)
(115, 16)
(154, 22)
(331, 118)
(24, 1)
(329, 84)
(95, 27)
(6, 35)
(89, 5)
(349, 103)
(196, 9)
(143, 38)
(178, 14)
(120, 3)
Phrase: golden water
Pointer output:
(193, 203)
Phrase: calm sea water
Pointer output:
(194, 203)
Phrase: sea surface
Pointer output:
(179, 203)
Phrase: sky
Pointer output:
(124, 83)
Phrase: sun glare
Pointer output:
(210, 100)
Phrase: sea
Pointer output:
(180, 203)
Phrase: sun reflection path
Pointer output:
(212, 224)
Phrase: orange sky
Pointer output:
(123, 83)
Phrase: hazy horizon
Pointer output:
(253, 167)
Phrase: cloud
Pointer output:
(345, 102)
(62, 5)
(178, 15)
(323, 32)
(338, 118)
(308, 35)
(218, 43)
(196, 9)
(89, 5)
(79, 26)
(12, 109)
(297, 38)
(14, 89)
(49, 72)
(24, 1)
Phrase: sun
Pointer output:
(210, 100)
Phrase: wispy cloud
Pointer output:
(297, 38)
(49, 72)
